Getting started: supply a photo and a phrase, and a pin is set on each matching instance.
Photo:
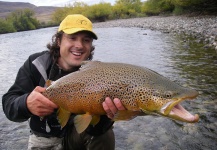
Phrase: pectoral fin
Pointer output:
(127, 115)
(95, 120)
(81, 122)
(63, 116)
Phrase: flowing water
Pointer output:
(181, 60)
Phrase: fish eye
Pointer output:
(168, 94)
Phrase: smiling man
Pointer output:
(71, 45)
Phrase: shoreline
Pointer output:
(202, 28)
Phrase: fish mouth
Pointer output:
(176, 111)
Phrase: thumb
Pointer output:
(39, 89)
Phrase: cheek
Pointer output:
(88, 48)
(87, 55)
(64, 46)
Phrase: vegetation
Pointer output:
(135, 8)
(178, 7)
(126, 9)
(99, 12)
(6, 26)
(77, 8)
(21, 20)
(155, 7)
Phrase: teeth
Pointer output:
(76, 53)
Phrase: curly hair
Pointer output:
(54, 48)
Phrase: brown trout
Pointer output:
(141, 90)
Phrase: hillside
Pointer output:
(42, 13)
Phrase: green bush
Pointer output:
(126, 8)
(119, 11)
(187, 3)
(99, 12)
(155, 7)
(178, 7)
(178, 10)
(6, 26)
(151, 7)
(23, 20)
(75, 8)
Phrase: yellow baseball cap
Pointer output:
(75, 23)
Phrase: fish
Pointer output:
(142, 92)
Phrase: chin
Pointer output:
(76, 64)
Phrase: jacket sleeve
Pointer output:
(14, 101)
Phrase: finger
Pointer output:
(111, 105)
(118, 104)
(45, 110)
(39, 89)
(41, 110)
(45, 101)
(107, 110)
(48, 103)
(44, 113)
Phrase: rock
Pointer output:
(202, 28)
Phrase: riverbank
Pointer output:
(202, 28)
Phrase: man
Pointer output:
(71, 45)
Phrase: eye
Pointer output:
(168, 94)
(87, 40)
(72, 37)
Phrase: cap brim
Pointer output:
(75, 30)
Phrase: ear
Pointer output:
(92, 48)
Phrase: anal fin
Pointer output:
(95, 120)
(81, 122)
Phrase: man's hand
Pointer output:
(38, 104)
(112, 107)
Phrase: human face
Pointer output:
(74, 48)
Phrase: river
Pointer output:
(181, 60)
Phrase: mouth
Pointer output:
(76, 53)
(175, 111)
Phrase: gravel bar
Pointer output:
(202, 28)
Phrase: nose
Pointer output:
(78, 43)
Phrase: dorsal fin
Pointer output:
(48, 83)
